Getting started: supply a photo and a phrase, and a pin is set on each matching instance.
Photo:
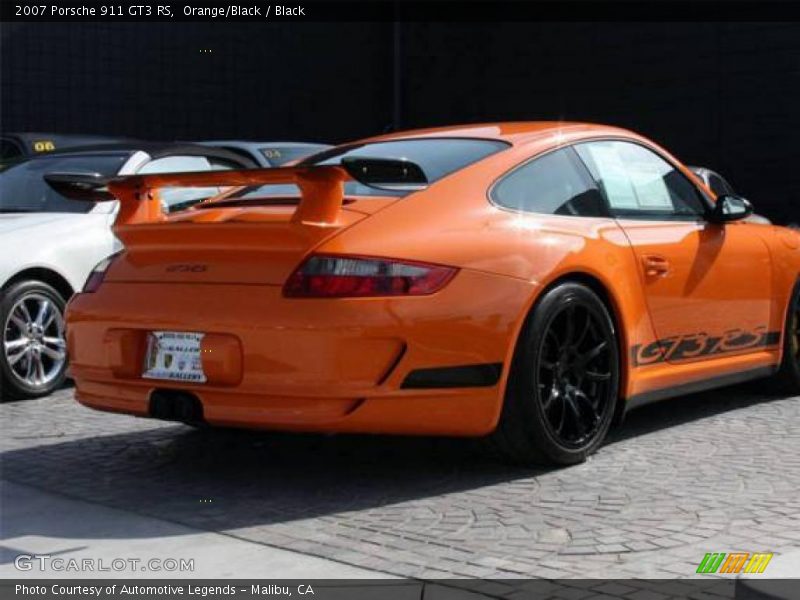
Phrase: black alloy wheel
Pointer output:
(574, 374)
(564, 382)
(787, 380)
(794, 330)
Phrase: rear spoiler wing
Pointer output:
(321, 186)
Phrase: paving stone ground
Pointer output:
(714, 472)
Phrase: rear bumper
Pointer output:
(307, 365)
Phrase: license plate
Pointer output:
(174, 355)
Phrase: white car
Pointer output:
(49, 245)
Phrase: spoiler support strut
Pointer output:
(321, 186)
(321, 190)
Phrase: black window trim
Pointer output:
(707, 202)
(643, 215)
(579, 164)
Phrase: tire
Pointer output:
(787, 380)
(28, 342)
(564, 381)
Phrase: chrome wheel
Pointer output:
(574, 375)
(33, 341)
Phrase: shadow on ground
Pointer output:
(223, 479)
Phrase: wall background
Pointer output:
(723, 95)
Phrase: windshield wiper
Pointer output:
(16, 210)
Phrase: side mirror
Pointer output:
(730, 208)
(80, 185)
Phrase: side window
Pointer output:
(176, 198)
(554, 184)
(639, 183)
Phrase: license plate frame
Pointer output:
(174, 356)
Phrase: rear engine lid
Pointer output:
(259, 241)
(257, 245)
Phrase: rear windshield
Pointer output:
(437, 157)
(23, 188)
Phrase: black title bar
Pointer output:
(410, 11)
(389, 589)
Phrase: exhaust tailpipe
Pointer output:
(176, 405)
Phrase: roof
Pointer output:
(513, 132)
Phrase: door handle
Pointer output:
(655, 266)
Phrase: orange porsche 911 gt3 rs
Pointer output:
(524, 281)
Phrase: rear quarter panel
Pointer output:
(453, 222)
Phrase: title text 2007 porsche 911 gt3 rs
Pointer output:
(528, 281)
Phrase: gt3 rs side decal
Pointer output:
(696, 345)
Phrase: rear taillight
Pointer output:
(346, 276)
(97, 275)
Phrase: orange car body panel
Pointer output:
(338, 364)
